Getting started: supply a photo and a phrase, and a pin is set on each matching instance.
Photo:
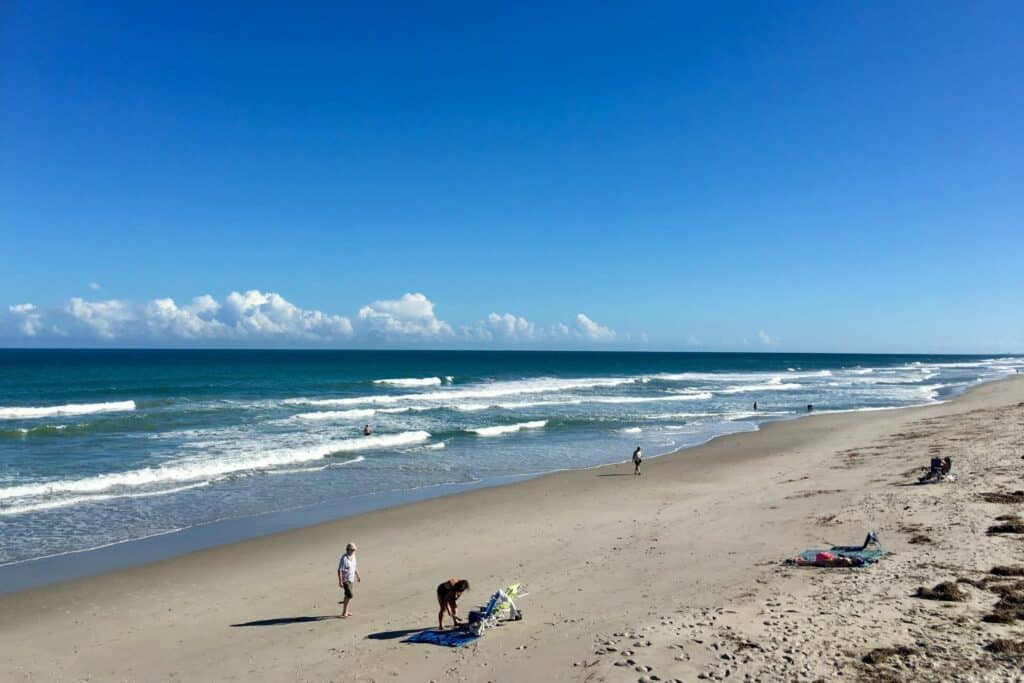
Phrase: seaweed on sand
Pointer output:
(947, 591)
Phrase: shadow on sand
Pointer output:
(393, 635)
(283, 621)
(618, 474)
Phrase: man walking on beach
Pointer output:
(347, 573)
(638, 457)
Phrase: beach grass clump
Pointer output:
(1012, 592)
(947, 591)
(1002, 497)
(1010, 525)
(1008, 610)
(1005, 646)
(880, 655)
(1004, 614)
(1004, 570)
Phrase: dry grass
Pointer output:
(1002, 497)
(880, 655)
(947, 591)
(1010, 527)
(1003, 570)
(1004, 646)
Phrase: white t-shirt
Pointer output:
(347, 567)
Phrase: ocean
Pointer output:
(98, 447)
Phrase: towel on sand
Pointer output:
(827, 558)
(447, 638)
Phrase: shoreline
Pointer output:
(47, 570)
(703, 529)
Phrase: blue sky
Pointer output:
(791, 176)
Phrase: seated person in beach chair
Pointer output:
(448, 594)
(500, 607)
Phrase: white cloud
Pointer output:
(586, 328)
(195, 321)
(255, 317)
(95, 286)
(408, 318)
(106, 319)
(765, 338)
(258, 314)
(508, 327)
(28, 319)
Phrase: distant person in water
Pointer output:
(366, 430)
(809, 407)
(638, 457)
(755, 405)
(347, 573)
(448, 594)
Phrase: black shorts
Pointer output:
(347, 586)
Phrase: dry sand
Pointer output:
(674, 575)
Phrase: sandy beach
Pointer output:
(673, 575)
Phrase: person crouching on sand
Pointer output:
(448, 594)
(638, 457)
(347, 573)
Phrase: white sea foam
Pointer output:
(767, 386)
(78, 500)
(338, 414)
(492, 390)
(410, 382)
(33, 413)
(471, 407)
(735, 376)
(328, 466)
(631, 430)
(498, 430)
(696, 396)
(435, 446)
(197, 469)
(744, 414)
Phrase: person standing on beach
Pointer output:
(347, 573)
(638, 457)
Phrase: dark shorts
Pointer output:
(347, 586)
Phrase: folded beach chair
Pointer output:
(501, 607)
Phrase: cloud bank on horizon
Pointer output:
(258, 318)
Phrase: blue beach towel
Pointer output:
(446, 638)
(861, 558)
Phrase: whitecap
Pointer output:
(195, 469)
(410, 382)
(498, 430)
(34, 412)
(491, 390)
(337, 414)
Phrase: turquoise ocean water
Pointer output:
(99, 447)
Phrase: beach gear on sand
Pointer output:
(501, 607)
(456, 638)
(842, 555)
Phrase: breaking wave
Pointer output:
(34, 413)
